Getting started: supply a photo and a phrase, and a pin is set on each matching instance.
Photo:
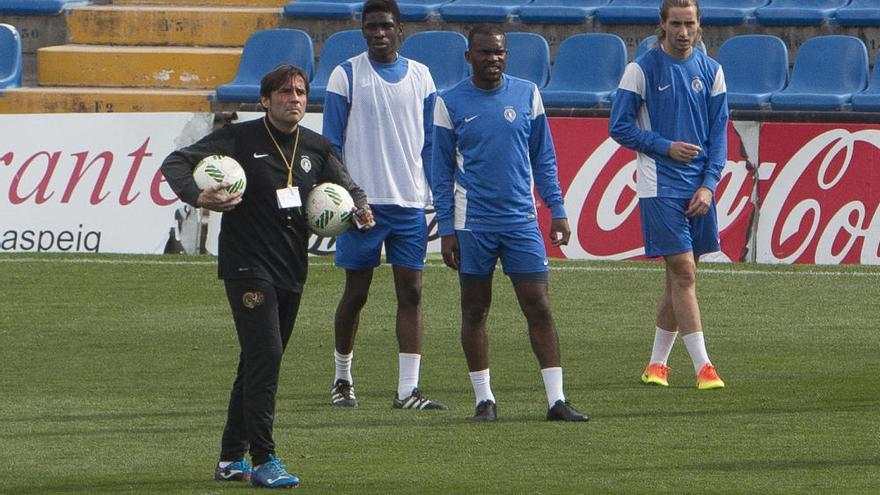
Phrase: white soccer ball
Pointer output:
(215, 169)
(328, 210)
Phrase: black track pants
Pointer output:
(264, 317)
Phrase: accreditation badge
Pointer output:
(288, 197)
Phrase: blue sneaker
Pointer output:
(273, 474)
(239, 470)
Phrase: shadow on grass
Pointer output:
(725, 409)
(83, 486)
(114, 416)
(108, 423)
(68, 433)
(755, 465)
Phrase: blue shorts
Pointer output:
(521, 252)
(666, 231)
(402, 230)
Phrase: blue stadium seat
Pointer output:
(10, 57)
(322, 9)
(480, 10)
(39, 7)
(528, 57)
(629, 12)
(797, 12)
(559, 11)
(650, 41)
(869, 99)
(646, 44)
(755, 67)
(261, 53)
(442, 52)
(727, 12)
(859, 13)
(339, 47)
(419, 10)
(828, 70)
(586, 72)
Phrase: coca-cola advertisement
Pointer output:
(598, 182)
(819, 194)
(789, 193)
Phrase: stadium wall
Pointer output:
(790, 192)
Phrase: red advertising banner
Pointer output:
(815, 198)
(820, 194)
(598, 182)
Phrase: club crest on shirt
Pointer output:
(251, 300)
(305, 163)
(509, 114)
(697, 85)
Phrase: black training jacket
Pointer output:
(257, 239)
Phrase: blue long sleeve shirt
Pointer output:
(490, 149)
(661, 100)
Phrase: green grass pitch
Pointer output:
(116, 371)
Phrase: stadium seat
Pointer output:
(37, 7)
(859, 13)
(559, 11)
(645, 45)
(528, 57)
(650, 41)
(869, 99)
(419, 10)
(322, 9)
(828, 70)
(10, 57)
(797, 12)
(727, 12)
(629, 12)
(755, 67)
(442, 52)
(339, 47)
(587, 71)
(480, 10)
(263, 51)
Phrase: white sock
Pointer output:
(343, 366)
(696, 347)
(553, 384)
(663, 340)
(408, 374)
(480, 382)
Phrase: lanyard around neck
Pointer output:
(287, 162)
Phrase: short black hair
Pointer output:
(485, 29)
(278, 77)
(389, 6)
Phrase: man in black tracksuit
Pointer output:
(263, 254)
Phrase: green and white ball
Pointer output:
(215, 169)
(328, 210)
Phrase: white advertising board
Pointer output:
(90, 182)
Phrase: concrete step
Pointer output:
(168, 25)
(222, 3)
(97, 100)
(136, 66)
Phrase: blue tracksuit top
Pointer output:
(660, 100)
(490, 148)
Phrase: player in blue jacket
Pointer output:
(491, 145)
(671, 108)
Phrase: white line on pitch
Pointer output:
(437, 264)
